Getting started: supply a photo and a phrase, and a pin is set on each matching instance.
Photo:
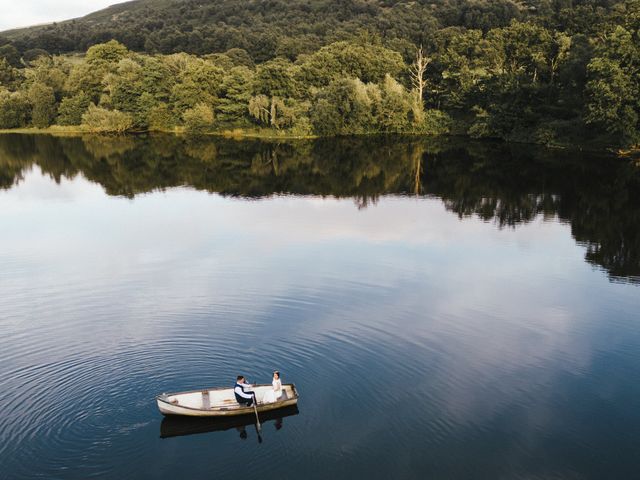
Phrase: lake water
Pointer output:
(446, 309)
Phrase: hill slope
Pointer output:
(556, 72)
(268, 28)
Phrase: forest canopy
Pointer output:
(545, 71)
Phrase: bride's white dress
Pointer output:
(271, 396)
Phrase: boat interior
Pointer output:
(223, 398)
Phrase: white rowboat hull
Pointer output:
(221, 402)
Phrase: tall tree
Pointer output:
(43, 104)
(417, 70)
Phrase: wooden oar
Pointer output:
(258, 426)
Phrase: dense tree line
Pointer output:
(343, 88)
(543, 71)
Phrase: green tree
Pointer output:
(8, 75)
(87, 79)
(458, 68)
(43, 105)
(520, 50)
(109, 52)
(277, 112)
(277, 78)
(344, 108)
(611, 97)
(435, 122)
(198, 120)
(72, 108)
(100, 120)
(14, 109)
(368, 62)
(235, 93)
(160, 118)
(29, 56)
(50, 71)
(572, 72)
(239, 57)
(136, 86)
(397, 109)
(197, 81)
(613, 87)
(260, 109)
(11, 54)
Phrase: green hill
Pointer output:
(554, 72)
(269, 28)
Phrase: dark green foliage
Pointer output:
(85, 78)
(235, 93)
(109, 52)
(52, 72)
(277, 78)
(33, 54)
(72, 108)
(11, 54)
(285, 28)
(436, 122)
(613, 87)
(368, 62)
(14, 109)
(553, 72)
(100, 120)
(343, 108)
(239, 57)
(43, 105)
(160, 118)
(138, 84)
(198, 120)
(396, 108)
(8, 74)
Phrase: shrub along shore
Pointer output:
(81, 130)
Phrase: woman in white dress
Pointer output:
(275, 393)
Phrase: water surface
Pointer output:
(446, 310)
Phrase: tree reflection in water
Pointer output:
(598, 195)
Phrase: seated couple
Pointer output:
(247, 397)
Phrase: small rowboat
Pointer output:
(221, 402)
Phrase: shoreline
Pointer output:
(632, 154)
(77, 131)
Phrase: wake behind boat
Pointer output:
(220, 402)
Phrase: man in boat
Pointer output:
(243, 395)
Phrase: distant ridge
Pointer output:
(29, 29)
(266, 28)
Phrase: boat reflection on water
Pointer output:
(176, 426)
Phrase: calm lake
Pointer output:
(446, 309)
